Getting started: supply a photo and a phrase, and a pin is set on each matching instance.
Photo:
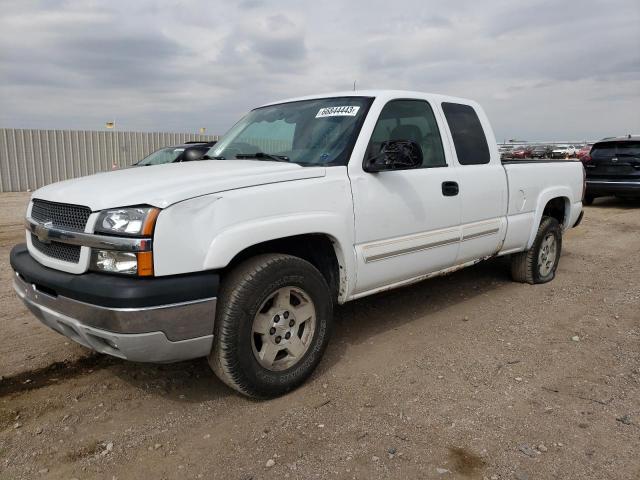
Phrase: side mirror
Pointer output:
(395, 155)
(191, 155)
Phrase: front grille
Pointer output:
(62, 215)
(57, 250)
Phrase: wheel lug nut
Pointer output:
(291, 323)
(286, 315)
(272, 331)
(276, 318)
(287, 335)
(278, 339)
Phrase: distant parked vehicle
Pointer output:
(506, 152)
(613, 168)
(187, 152)
(583, 153)
(562, 151)
(541, 151)
(522, 152)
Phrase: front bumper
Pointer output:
(613, 187)
(161, 320)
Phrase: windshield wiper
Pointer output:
(263, 156)
(207, 157)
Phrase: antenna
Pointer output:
(354, 85)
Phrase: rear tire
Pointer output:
(539, 263)
(272, 325)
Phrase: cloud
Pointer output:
(541, 68)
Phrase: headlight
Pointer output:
(127, 222)
(113, 261)
(133, 221)
(128, 263)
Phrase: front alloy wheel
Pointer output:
(283, 328)
(273, 322)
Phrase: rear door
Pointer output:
(483, 183)
(614, 161)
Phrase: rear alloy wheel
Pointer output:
(539, 263)
(272, 325)
(547, 255)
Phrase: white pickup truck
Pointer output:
(302, 205)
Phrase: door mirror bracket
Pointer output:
(395, 155)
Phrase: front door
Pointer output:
(407, 222)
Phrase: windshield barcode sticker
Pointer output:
(346, 111)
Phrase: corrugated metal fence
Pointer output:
(32, 158)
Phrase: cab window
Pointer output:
(411, 120)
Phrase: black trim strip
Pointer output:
(115, 291)
(546, 160)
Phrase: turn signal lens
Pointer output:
(145, 264)
(150, 222)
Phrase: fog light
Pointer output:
(114, 262)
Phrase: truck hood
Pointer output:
(164, 185)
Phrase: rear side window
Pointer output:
(468, 136)
(604, 150)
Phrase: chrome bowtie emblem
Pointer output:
(42, 231)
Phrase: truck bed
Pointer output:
(530, 185)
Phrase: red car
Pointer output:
(583, 153)
(522, 152)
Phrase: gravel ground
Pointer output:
(464, 376)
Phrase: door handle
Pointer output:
(450, 189)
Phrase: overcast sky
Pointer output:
(542, 69)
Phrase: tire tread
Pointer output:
(523, 264)
(235, 287)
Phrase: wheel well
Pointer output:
(315, 248)
(556, 208)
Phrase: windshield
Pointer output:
(164, 155)
(309, 132)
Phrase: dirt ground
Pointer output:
(468, 376)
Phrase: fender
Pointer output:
(231, 241)
(206, 233)
(544, 197)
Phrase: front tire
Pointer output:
(272, 325)
(588, 200)
(539, 263)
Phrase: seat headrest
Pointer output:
(406, 132)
